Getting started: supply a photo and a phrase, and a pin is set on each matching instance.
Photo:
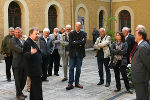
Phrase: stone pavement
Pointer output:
(55, 88)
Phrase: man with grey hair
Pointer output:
(16, 45)
(102, 45)
(45, 47)
(54, 56)
(130, 41)
(64, 50)
(7, 53)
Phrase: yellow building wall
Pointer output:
(140, 9)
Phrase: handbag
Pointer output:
(111, 64)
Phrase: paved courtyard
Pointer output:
(55, 88)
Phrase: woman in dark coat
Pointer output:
(118, 51)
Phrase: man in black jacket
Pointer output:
(130, 41)
(77, 40)
(16, 45)
(33, 60)
(46, 48)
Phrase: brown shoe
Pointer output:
(64, 79)
(20, 97)
(69, 87)
(79, 86)
(25, 96)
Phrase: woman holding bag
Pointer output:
(118, 51)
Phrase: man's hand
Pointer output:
(4, 55)
(33, 50)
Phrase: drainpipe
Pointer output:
(111, 13)
(72, 15)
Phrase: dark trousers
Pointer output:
(117, 69)
(20, 80)
(44, 66)
(8, 61)
(100, 61)
(36, 88)
(54, 58)
(141, 90)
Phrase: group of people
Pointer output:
(126, 49)
(33, 57)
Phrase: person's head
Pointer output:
(56, 31)
(125, 31)
(129, 30)
(18, 32)
(11, 31)
(62, 30)
(77, 26)
(140, 27)
(120, 37)
(68, 28)
(140, 35)
(46, 32)
(102, 32)
(34, 33)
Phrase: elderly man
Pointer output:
(130, 41)
(64, 50)
(6, 52)
(77, 40)
(140, 69)
(33, 61)
(54, 56)
(16, 45)
(45, 47)
(102, 44)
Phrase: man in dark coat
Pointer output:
(16, 45)
(77, 40)
(140, 69)
(33, 60)
(6, 52)
(130, 41)
(46, 48)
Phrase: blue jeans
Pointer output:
(75, 62)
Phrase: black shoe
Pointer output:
(56, 74)
(60, 65)
(107, 84)
(49, 75)
(130, 91)
(9, 80)
(69, 87)
(25, 96)
(117, 90)
(100, 83)
(45, 80)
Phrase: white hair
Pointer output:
(142, 27)
(78, 23)
(69, 26)
(125, 28)
(103, 29)
(46, 30)
(18, 28)
(11, 28)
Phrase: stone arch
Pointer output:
(60, 18)
(86, 17)
(117, 17)
(102, 8)
(25, 15)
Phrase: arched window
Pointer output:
(101, 18)
(14, 15)
(52, 18)
(124, 19)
